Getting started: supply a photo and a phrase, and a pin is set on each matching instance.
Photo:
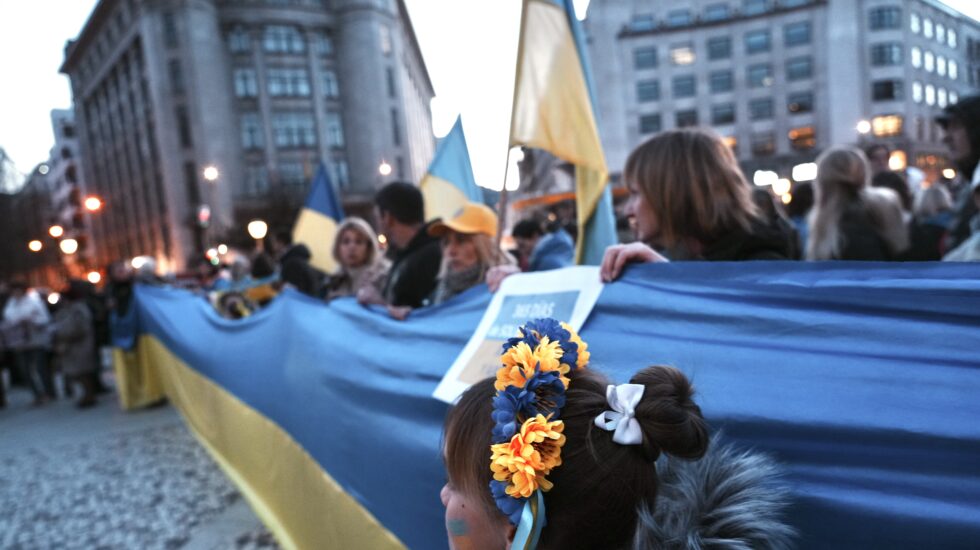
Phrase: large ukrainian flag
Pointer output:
(554, 110)
(316, 226)
(449, 183)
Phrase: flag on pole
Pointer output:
(316, 226)
(554, 110)
(449, 184)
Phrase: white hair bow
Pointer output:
(621, 419)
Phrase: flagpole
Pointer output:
(502, 206)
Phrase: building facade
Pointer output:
(261, 90)
(782, 80)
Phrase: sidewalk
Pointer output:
(104, 478)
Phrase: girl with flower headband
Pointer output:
(549, 454)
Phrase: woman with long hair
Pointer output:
(468, 250)
(361, 263)
(852, 220)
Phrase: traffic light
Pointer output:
(203, 216)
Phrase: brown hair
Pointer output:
(600, 484)
(694, 185)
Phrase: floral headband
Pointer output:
(527, 434)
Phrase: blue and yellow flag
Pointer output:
(554, 110)
(316, 226)
(449, 183)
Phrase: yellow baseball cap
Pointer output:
(470, 219)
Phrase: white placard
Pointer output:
(567, 295)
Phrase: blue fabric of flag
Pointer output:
(452, 163)
(323, 197)
(861, 379)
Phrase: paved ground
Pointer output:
(105, 479)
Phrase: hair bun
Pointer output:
(670, 419)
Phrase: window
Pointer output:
(246, 83)
(930, 62)
(800, 102)
(184, 127)
(941, 97)
(886, 90)
(687, 118)
(940, 33)
(954, 98)
(885, 17)
(341, 173)
(953, 70)
(915, 24)
(679, 18)
(941, 65)
(886, 126)
(396, 132)
(239, 40)
(916, 57)
(169, 30)
(927, 28)
(723, 114)
(799, 68)
(335, 130)
(645, 58)
(642, 22)
(252, 131)
(390, 80)
(951, 38)
(684, 86)
(889, 53)
(754, 7)
(797, 34)
(721, 81)
(719, 47)
(385, 39)
(323, 44)
(760, 109)
(716, 12)
(331, 88)
(930, 94)
(917, 91)
(288, 82)
(802, 138)
(763, 143)
(293, 130)
(283, 39)
(682, 54)
(649, 124)
(757, 41)
(647, 90)
(760, 75)
(256, 180)
(176, 76)
(292, 174)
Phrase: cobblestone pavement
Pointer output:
(114, 480)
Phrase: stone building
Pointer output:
(262, 91)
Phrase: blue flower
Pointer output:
(532, 331)
(510, 506)
(543, 394)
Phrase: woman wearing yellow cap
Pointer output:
(468, 250)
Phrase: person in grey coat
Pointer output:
(74, 342)
(25, 327)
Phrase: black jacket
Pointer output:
(414, 270)
(772, 240)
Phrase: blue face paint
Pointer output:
(458, 527)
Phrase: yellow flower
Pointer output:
(528, 457)
(519, 362)
(583, 348)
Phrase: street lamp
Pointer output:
(94, 277)
(93, 204)
(35, 245)
(257, 229)
(384, 168)
(69, 246)
(56, 231)
(863, 127)
(211, 173)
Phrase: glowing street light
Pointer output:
(764, 177)
(43, 169)
(94, 277)
(384, 168)
(949, 173)
(863, 127)
(257, 229)
(93, 204)
(69, 246)
(56, 231)
(53, 298)
(222, 249)
(35, 245)
(781, 186)
(211, 173)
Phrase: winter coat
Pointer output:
(26, 323)
(772, 240)
(348, 282)
(74, 339)
(553, 251)
(414, 271)
(726, 500)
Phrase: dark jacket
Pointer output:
(414, 270)
(926, 238)
(861, 239)
(772, 240)
(727, 500)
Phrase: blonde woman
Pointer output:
(362, 265)
(850, 219)
(468, 250)
(690, 201)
